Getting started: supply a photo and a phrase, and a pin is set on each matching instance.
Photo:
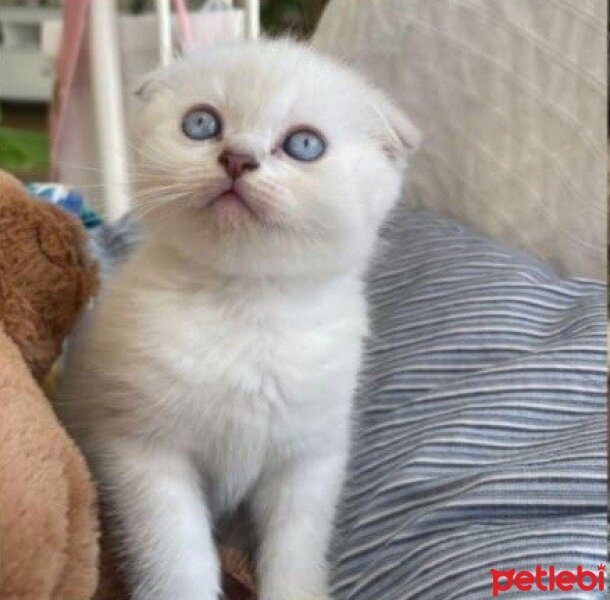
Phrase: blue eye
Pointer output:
(305, 145)
(201, 124)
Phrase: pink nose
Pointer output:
(236, 163)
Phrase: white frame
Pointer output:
(108, 92)
(253, 19)
(109, 107)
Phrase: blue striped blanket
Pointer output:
(480, 437)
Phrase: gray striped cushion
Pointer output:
(480, 437)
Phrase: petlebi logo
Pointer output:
(548, 579)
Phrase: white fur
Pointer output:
(219, 368)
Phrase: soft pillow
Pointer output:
(480, 439)
(511, 99)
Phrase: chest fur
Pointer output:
(240, 384)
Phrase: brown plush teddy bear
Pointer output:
(48, 527)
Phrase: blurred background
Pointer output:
(26, 70)
(511, 99)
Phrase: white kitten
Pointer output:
(219, 368)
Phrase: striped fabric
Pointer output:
(480, 439)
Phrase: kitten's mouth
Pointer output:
(231, 203)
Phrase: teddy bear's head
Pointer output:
(46, 277)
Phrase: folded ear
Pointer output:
(148, 85)
(398, 135)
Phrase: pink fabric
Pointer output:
(74, 24)
(185, 21)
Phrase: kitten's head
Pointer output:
(267, 158)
